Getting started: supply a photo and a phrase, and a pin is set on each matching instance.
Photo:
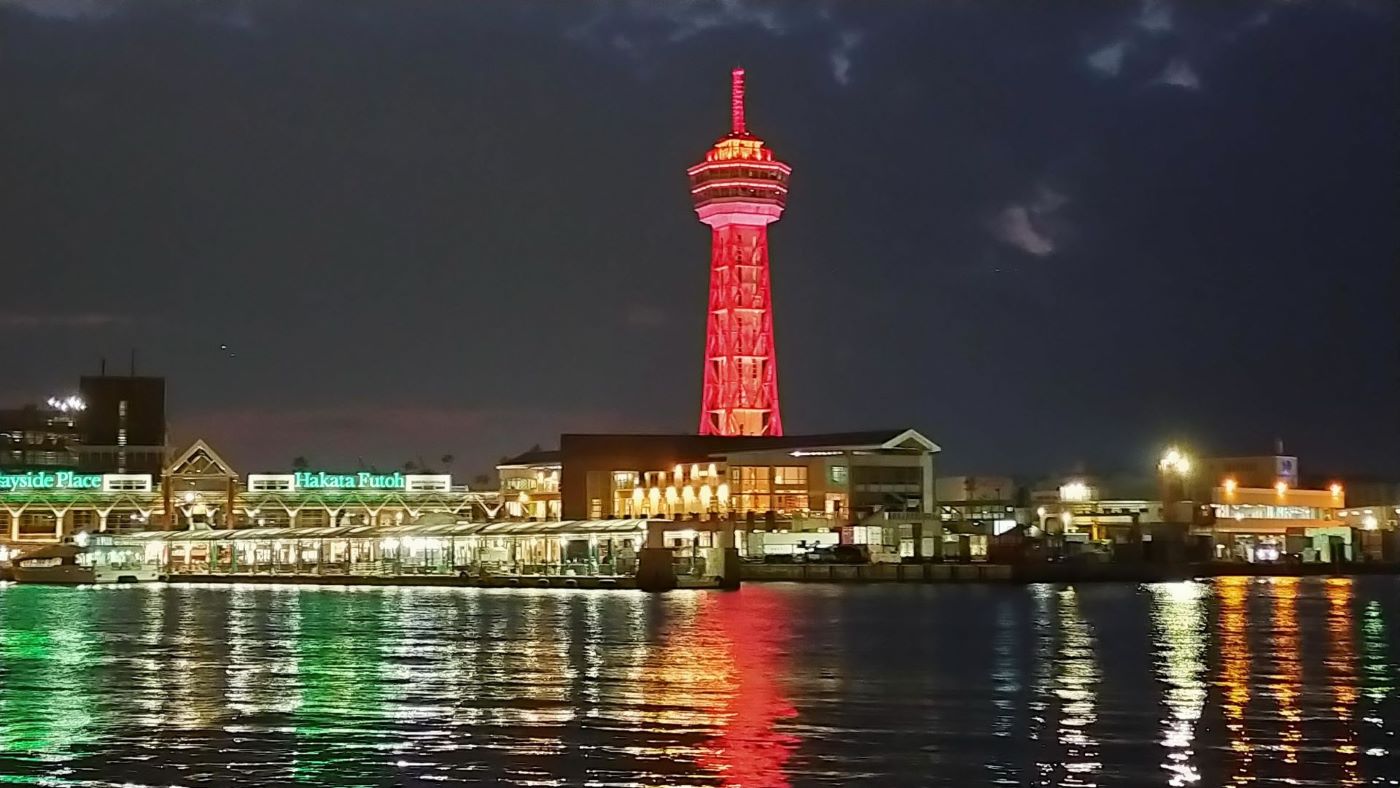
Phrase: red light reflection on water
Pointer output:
(751, 629)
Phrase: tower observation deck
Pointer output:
(739, 189)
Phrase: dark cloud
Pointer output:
(43, 321)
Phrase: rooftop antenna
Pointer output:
(736, 102)
(102, 366)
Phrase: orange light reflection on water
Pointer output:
(1234, 673)
(1341, 670)
(1289, 678)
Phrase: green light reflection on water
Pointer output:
(1379, 683)
(338, 654)
(46, 656)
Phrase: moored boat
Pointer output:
(80, 563)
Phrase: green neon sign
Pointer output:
(50, 480)
(320, 480)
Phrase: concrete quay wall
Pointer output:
(1044, 573)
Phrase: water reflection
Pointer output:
(770, 686)
(749, 750)
(1378, 678)
(1286, 680)
(1234, 672)
(1341, 675)
(1075, 684)
(1042, 680)
(1179, 622)
(45, 656)
(1006, 686)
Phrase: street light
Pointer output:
(1174, 461)
(67, 404)
(1075, 491)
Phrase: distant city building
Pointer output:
(973, 509)
(1110, 509)
(1259, 471)
(123, 426)
(40, 436)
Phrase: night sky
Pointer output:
(396, 230)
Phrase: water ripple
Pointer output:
(1232, 682)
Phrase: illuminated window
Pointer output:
(790, 475)
(624, 480)
(838, 474)
(791, 503)
(750, 479)
(754, 503)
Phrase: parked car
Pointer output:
(838, 554)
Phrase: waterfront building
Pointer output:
(1371, 518)
(1264, 523)
(975, 509)
(433, 546)
(1265, 519)
(883, 479)
(39, 506)
(1109, 517)
(201, 490)
(1374, 504)
(1097, 508)
(530, 485)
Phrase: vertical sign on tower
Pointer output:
(739, 189)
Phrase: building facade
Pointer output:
(200, 490)
(530, 485)
(837, 477)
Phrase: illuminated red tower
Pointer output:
(739, 189)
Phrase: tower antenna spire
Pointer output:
(736, 101)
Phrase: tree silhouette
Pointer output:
(299, 463)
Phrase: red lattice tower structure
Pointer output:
(739, 189)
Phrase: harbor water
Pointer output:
(1232, 681)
